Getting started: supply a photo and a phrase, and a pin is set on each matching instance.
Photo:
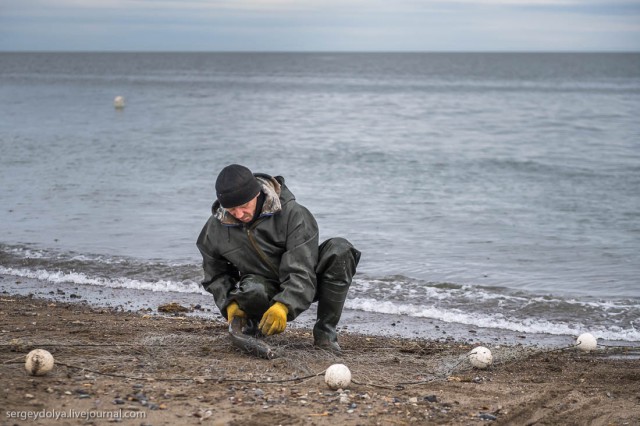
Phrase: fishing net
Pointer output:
(199, 350)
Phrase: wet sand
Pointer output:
(173, 369)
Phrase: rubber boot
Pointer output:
(336, 266)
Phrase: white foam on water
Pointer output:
(80, 278)
(429, 291)
(496, 321)
(373, 304)
(27, 253)
(401, 289)
(34, 253)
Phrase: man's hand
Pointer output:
(233, 310)
(274, 321)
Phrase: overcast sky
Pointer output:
(320, 25)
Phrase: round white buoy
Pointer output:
(38, 362)
(118, 102)
(586, 342)
(338, 376)
(480, 357)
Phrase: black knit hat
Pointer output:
(236, 185)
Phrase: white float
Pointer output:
(480, 357)
(586, 342)
(338, 376)
(118, 102)
(38, 362)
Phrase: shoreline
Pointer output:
(183, 370)
(370, 323)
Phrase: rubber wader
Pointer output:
(336, 266)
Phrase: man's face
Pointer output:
(245, 212)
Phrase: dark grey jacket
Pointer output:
(281, 245)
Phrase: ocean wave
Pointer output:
(186, 286)
(397, 288)
(481, 306)
(495, 321)
(26, 252)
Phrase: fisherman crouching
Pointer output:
(262, 261)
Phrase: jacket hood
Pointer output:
(276, 194)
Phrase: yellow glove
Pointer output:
(233, 310)
(274, 321)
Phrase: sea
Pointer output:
(489, 190)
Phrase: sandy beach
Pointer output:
(147, 368)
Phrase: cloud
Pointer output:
(320, 25)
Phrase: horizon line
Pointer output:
(318, 51)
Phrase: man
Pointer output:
(262, 262)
